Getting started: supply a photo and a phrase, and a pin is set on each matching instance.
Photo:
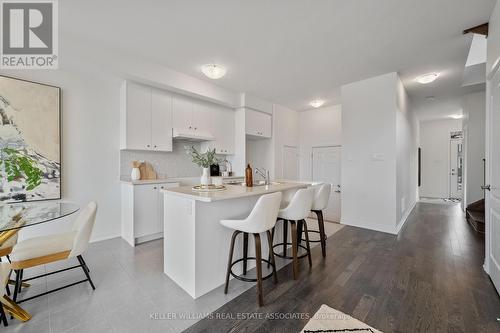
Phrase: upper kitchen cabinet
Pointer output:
(191, 119)
(258, 124)
(146, 118)
(222, 124)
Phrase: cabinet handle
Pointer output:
(155, 146)
(154, 188)
(195, 128)
(148, 146)
(162, 188)
(190, 127)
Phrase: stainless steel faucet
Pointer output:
(264, 174)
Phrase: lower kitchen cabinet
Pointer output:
(142, 211)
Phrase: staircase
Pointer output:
(475, 215)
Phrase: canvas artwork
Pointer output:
(30, 147)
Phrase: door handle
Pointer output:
(486, 187)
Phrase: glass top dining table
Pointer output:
(15, 216)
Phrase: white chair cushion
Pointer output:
(42, 246)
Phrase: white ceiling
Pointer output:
(288, 51)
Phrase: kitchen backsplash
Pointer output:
(172, 164)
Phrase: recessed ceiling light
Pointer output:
(317, 103)
(457, 116)
(213, 71)
(427, 78)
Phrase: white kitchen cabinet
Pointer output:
(161, 120)
(222, 123)
(146, 118)
(191, 115)
(142, 211)
(258, 124)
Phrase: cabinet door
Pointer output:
(145, 210)
(202, 117)
(258, 123)
(182, 112)
(223, 124)
(161, 121)
(138, 117)
(159, 227)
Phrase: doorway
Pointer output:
(456, 167)
(326, 169)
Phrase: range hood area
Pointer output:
(191, 135)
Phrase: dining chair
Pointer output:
(42, 250)
(5, 250)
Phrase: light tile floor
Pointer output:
(131, 289)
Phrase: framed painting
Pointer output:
(30, 141)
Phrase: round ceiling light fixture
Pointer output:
(317, 103)
(427, 78)
(213, 71)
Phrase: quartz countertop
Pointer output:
(233, 191)
(181, 180)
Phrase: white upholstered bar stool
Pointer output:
(321, 197)
(295, 213)
(46, 249)
(261, 219)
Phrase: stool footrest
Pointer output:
(289, 257)
(242, 278)
(314, 241)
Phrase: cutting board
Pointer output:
(147, 171)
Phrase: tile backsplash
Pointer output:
(172, 164)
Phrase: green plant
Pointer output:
(18, 165)
(204, 160)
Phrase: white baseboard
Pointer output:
(103, 238)
(403, 220)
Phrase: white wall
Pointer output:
(407, 136)
(286, 132)
(369, 153)
(493, 56)
(474, 123)
(318, 127)
(435, 144)
(90, 145)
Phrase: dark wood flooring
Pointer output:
(427, 279)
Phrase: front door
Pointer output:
(456, 169)
(493, 179)
(326, 169)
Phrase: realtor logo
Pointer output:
(29, 34)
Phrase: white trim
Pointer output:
(404, 218)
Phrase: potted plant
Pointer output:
(204, 160)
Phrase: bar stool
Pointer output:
(295, 213)
(320, 202)
(261, 219)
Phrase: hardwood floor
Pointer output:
(427, 279)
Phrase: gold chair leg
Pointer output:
(15, 310)
(23, 284)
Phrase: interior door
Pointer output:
(290, 163)
(456, 169)
(493, 178)
(326, 169)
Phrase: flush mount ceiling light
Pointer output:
(317, 103)
(457, 116)
(427, 78)
(213, 71)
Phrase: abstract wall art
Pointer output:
(30, 141)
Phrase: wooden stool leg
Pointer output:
(245, 253)
(285, 236)
(293, 226)
(271, 256)
(322, 233)
(307, 242)
(258, 263)
(299, 232)
(230, 260)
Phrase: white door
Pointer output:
(456, 169)
(202, 117)
(493, 179)
(326, 169)
(182, 112)
(161, 121)
(290, 163)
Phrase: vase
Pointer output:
(136, 174)
(205, 177)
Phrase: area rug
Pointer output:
(328, 320)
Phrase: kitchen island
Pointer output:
(196, 245)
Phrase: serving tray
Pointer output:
(209, 188)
